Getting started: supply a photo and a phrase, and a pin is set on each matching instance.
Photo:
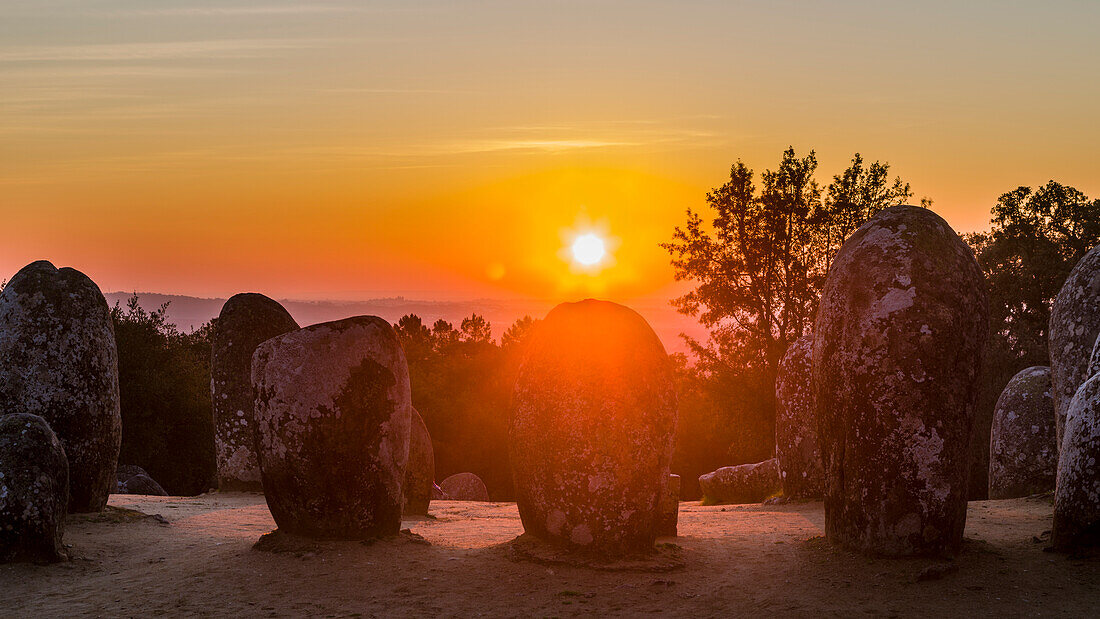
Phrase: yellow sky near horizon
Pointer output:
(438, 150)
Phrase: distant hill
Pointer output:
(191, 312)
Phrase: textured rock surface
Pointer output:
(34, 490)
(333, 413)
(796, 444)
(58, 360)
(670, 507)
(1023, 457)
(245, 322)
(593, 417)
(134, 480)
(464, 487)
(744, 483)
(1094, 360)
(898, 348)
(1077, 496)
(1074, 326)
(420, 471)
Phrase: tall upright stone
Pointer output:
(797, 446)
(1077, 495)
(898, 349)
(420, 471)
(58, 360)
(1074, 326)
(1023, 457)
(34, 490)
(246, 321)
(332, 413)
(592, 423)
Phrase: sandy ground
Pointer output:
(760, 560)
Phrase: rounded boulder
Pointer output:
(58, 360)
(332, 417)
(246, 321)
(1023, 455)
(1077, 495)
(34, 490)
(1074, 326)
(591, 429)
(796, 443)
(464, 487)
(898, 346)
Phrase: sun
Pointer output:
(588, 249)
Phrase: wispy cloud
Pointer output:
(225, 48)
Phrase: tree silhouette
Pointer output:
(758, 271)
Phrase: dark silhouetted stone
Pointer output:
(1023, 457)
(420, 471)
(1077, 496)
(134, 480)
(58, 359)
(333, 412)
(670, 507)
(796, 444)
(593, 416)
(464, 487)
(898, 348)
(34, 490)
(246, 321)
(1074, 326)
(745, 483)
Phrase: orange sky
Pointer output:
(438, 150)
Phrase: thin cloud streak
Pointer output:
(225, 48)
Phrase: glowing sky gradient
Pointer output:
(439, 149)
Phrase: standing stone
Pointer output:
(420, 472)
(1023, 457)
(670, 507)
(898, 348)
(1074, 325)
(796, 444)
(58, 360)
(34, 490)
(593, 417)
(333, 413)
(744, 483)
(464, 487)
(246, 321)
(1077, 495)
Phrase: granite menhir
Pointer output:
(246, 321)
(796, 443)
(58, 360)
(34, 489)
(420, 471)
(1023, 457)
(898, 347)
(1077, 495)
(1074, 326)
(333, 415)
(592, 424)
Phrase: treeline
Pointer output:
(758, 253)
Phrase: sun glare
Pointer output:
(588, 249)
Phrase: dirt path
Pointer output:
(738, 560)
